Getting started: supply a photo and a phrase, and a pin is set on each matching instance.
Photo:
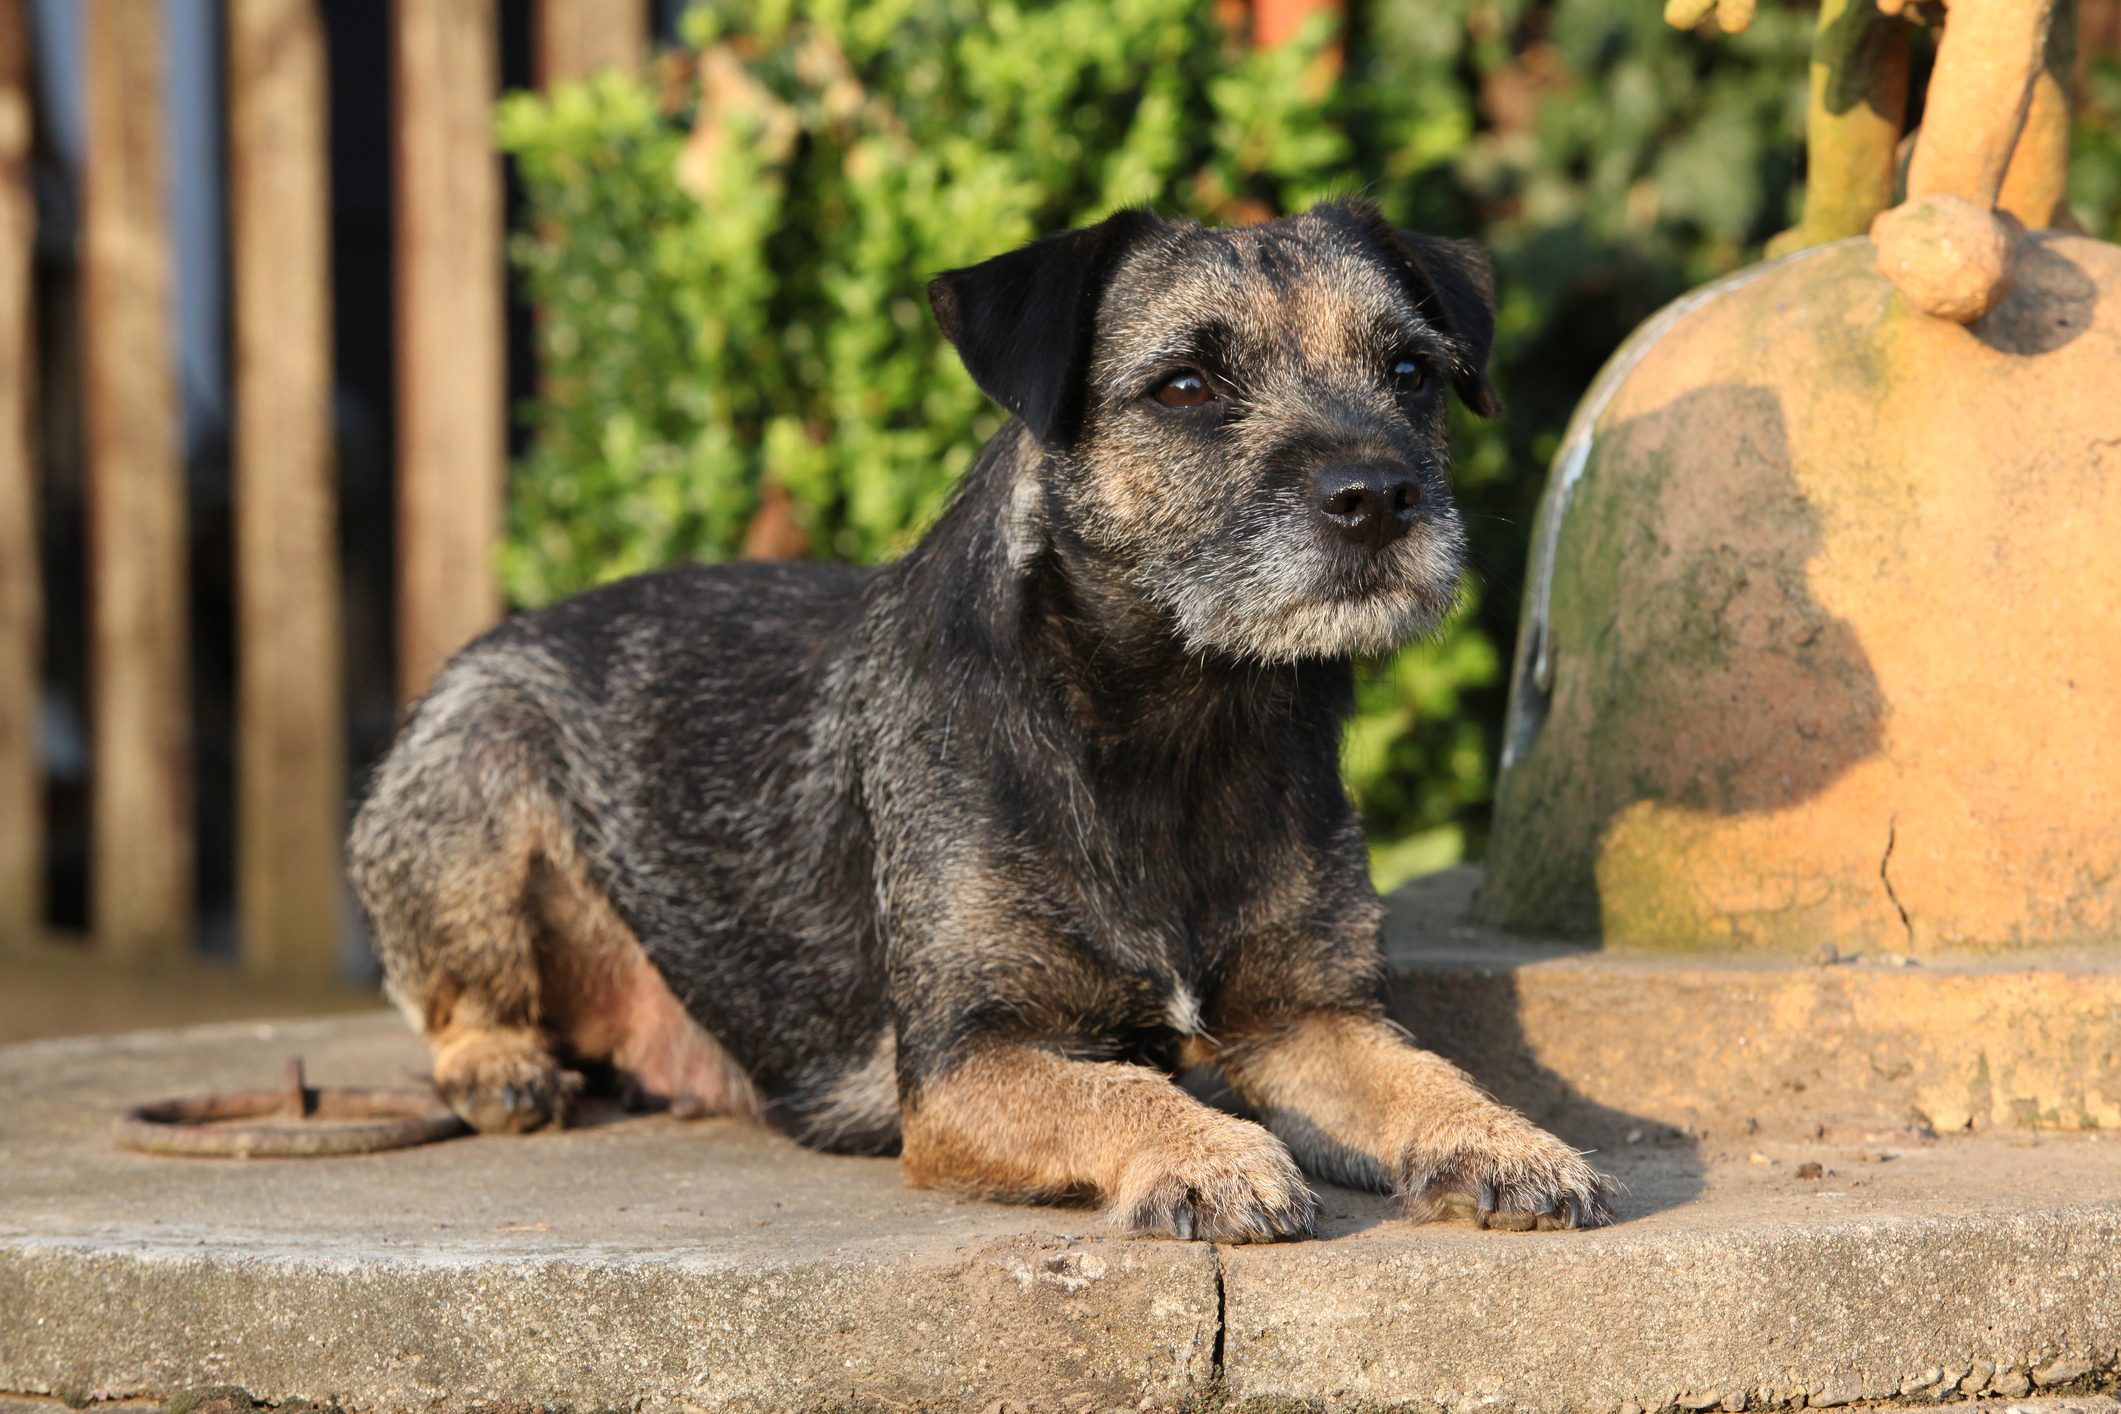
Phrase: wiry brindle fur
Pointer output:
(966, 856)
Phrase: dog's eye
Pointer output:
(1184, 389)
(1406, 375)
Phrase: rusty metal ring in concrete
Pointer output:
(295, 1121)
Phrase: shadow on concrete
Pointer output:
(1455, 986)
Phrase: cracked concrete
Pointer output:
(1885, 865)
(662, 1265)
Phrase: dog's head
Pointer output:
(1248, 425)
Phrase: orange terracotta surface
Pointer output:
(1828, 643)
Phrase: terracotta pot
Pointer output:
(1823, 631)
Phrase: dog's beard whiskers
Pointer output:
(1271, 596)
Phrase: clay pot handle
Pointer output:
(1991, 52)
(1946, 249)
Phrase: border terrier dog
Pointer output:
(968, 856)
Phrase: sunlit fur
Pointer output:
(1212, 513)
(966, 855)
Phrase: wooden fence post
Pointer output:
(291, 733)
(141, 886)
(451, 369)
(577, 38)
(21, 592)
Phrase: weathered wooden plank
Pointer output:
(140, 802)
(451, 372)
(21, 593)
(577, 38)
(291, 732)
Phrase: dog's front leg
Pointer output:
(1360, 1103)
(1017, 1122)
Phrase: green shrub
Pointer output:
(767, 326)
(2095, 155)
(736, 308)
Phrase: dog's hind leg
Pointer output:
(604, 1000)
(497, 943)
(443, 854)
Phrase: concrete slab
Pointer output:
(653, 1264)
(647, 1261)
(1758, 1043)
(1759, 1290)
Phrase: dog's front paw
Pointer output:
(1234, 1183)
(504, 1082)
(1506, 1172)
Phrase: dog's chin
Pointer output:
(1324, 620)
(1326, 626)
(1287, 597)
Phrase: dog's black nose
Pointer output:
(1369, 503)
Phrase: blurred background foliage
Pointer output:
(2095, 152)
(727, 256)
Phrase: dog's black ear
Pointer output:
(1022, 322)
(1452, 285)
(1460, 285)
